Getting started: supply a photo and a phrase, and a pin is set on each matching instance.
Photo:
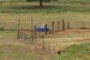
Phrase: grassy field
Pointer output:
(10, 47)
(47, 9)
(13, 49)
(75, 52)
(10, 21)
(10, 6)
(73, 11)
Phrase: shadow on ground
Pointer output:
(36, 7)
(45, 9)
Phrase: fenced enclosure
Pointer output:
(26, 24)
(25, 28)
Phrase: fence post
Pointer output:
(53, 27)
(58, 25)
(18, 30)
(35, 32)
(32, 37)
(35, 29)
(63, 25)
(46, 30)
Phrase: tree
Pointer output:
(41, 3)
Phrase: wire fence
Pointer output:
(26, 30)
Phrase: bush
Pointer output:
(2, 28)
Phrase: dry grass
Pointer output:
(13, 49)
(75, 19)
(9, 42)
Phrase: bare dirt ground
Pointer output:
(59, 41)
(62, 40)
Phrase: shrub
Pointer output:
(2, 28)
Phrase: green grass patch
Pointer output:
(75, 52)
(47, 9)
(60, 6)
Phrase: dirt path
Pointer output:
(36, 50)
(60, 45)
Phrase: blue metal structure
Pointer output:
(42, 29)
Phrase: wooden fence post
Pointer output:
(46, 30)
(32, 37)
(35, 33)
(53, 27)
(18, 30)
(63, 25)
